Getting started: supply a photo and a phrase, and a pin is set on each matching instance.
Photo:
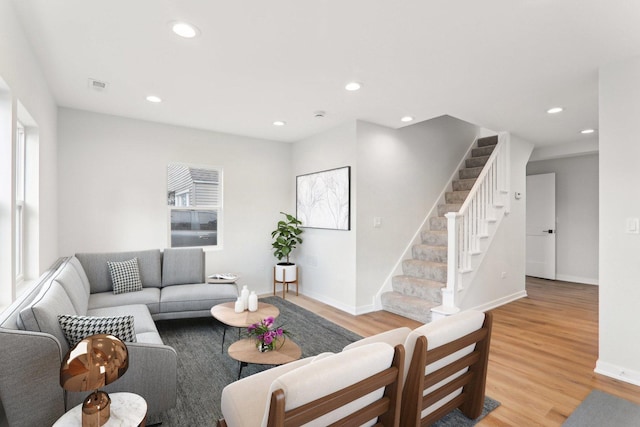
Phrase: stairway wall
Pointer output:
(507, 251)
(346, 269)
(423, 155)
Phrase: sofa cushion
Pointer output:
(442, 331)
(330, 374)
(125, 276)
(42, 314)
(149, 338)
(142, 318)
(148, 296)
(77, 328)
(75, 271)
(95, 266)
(195, 297)
(438, 333)
(182, 266)
(75, 263)
(69, 278)
(243, 401)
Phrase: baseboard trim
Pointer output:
(500, 301)
(333, 303)
(617, 372)
(577, 279)
(364, 309)
(371, 307)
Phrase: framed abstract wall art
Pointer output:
(323, 199)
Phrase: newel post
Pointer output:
(448, 306)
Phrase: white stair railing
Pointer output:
(487, 199)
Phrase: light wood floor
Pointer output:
(543, 351)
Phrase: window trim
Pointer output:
(19, 200)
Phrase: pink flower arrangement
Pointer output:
(266, 334)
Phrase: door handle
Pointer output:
(548, 231)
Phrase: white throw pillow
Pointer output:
(77, 328)
(125, 276)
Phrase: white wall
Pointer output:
(587, 145)
(396, 175)
(113, 181)
(7, 208)
(401, 174)
(507, 251)
(327, 258)
(22, 81)
(619, 348)
(26, 85)
(577, 215)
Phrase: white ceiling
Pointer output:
(496, 63)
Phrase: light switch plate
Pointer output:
(633, 226)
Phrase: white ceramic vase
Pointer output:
(244, 296)
(253, 301)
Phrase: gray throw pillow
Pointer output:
(77, 328)
(125, 276)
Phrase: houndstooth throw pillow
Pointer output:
(125, 276)
(77, 328)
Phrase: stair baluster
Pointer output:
(470, 224)
(444, 261)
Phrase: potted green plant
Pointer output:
(286, 236)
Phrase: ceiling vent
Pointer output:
(98, 85)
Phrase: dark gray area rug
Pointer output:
(203, 371)
(602, 409)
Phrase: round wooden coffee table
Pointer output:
(226, 314)
(245, 352)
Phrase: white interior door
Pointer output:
(541, 226)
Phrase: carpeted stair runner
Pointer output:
(418, 289)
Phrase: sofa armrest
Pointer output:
(30, 372)
(152, 374)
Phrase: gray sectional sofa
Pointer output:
(32, 343)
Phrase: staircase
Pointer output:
(419, 288)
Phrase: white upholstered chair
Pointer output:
(356, 387)
(445, 366)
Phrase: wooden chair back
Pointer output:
(386, 408)
(467, 372)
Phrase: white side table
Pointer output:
(127, 409)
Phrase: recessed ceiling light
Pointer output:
(279, 123)
(351, 86)
(554, 110)
(184, 29)
(587, 131)
(406, 119)
(154, 99)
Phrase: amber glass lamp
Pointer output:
(92, 363)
